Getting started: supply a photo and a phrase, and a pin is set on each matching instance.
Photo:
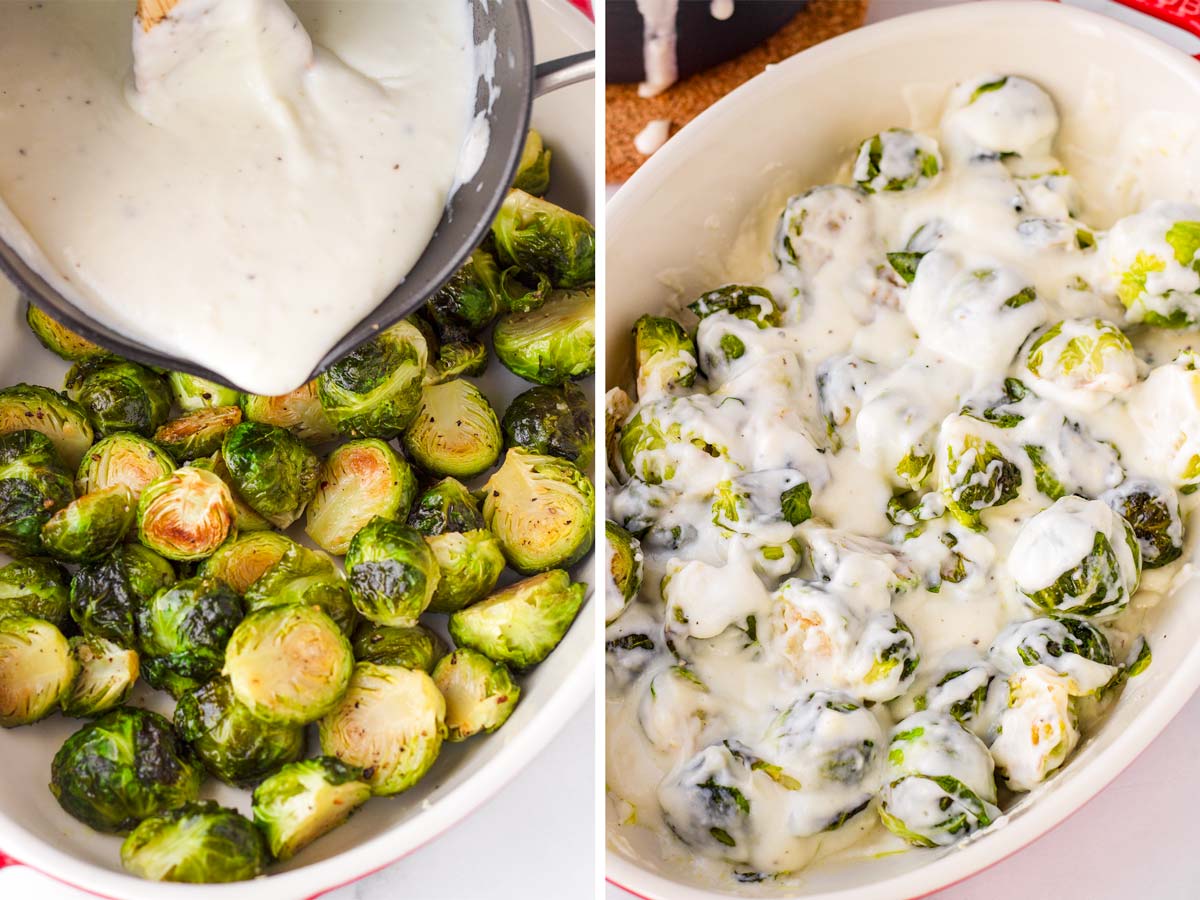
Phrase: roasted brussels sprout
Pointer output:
(469, 563)
(447, 506)
(520, 624)
(123, 458)
(896, 160)
(1036, 730)
(105, 595)
(185, 627)
(192, 392)
(994, 116)
(235, 745)
(705, 804)
(391, 723)
(666, 356)
(461, 359)
(392, 572)
(288, 664)
(480, 694)
(120, 396)
(541, 508)
(556, 421)
(469, 301)
(552, 344)
(201, 843)
(533, 171)
(59, 339)
(33, 486)
(539, 237)
(90, 526)
(107, 674)
(36, 670)
(272, 470)
(300, 412)
(455, 431)
(1152, 510)
(743, 301)
(973, 474)
(376, 389)
(199, 432)
(412, 646)
(1151, 264)
(35, 587)
(305, 800)
(30, 407)
(122, 768)
(1081, 364)
(624, 571)
(308, 577)
(186, 515)
(241, 561)
(244, 517)
(359, 481)
(818, 223)
(1073, 648)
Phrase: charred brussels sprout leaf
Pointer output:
(186, 626)
(106, 595)
(411, 647)
(666, 355)
(447, 506)
(91, 526)
(36, 670)
(123, 458)
(533, 171)
(107, 674)
(308, 577)
(469, 564)
(186, 515)
(300, 412)
(539, 237)
(59, 339)
(392, 571)
(30, 407)
(199, 432)
(192, 392)
(201, 843)
(122, 768)
(460, 359)
(33, 486)
(624, 570)
(376, 389)
(35, 587)
(240, 562)
(480, 694)
(554, 421)
(552, 344)
(455, 431)
(745, 301)
(272, 470)
(120, 396)
(305, 800)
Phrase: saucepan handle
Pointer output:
(558, 73)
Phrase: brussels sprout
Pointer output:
(556, 421)
(37, 588)
(1080, 364)
(59, 339)
(30, 407)
(455, 431)
(664, 437)
(666, 356)
(376, 389)
(820, 223)
(300, 412)
(233, 744)
(447, 506)
(940, 785)
(359, 481)
(963, 693)
(539, 237)
(107, 674)
(106, 595)
(1036, 731)
(201, 843)
(123, 458)
(192, 392)
(1152, 510)
(199, 432)
(1073, 648)
(480, 694)
(186, 627)
(241, 561)
(522, 623)
(36, 670)
(91, 526)
(186, 515)
(742, 301)
(392, 571)
(996, 116)
(123, 767)
(272, 470)
(391, 723)
(308, 577)
(305, 800)
(33, 486)
(1152, 264)
(289, 664)
(459, 360)
(533, 170)
(974, 475)
(469, 565)
(541, 508)
(469, 301)
(412, 647)
(624, 571)
(120, 396)
(1078, 557)
(552, 344)
(244, 517)
(896, 160)
(705, 804)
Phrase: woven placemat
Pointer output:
(628, 114)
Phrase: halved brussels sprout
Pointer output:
(272, 470)
(289, 664)
(35, 587)
(552, 344)
(199, 432)
(541, 508)
(705, 804)
(1152, 264)
(201, 843)
(666, 356)
(539, 237)
(192, 392)
(391, 723)
(376, 389)
(480, 694)
(995, 116)
(33, 486)
(556, 421)
(522, 623)
(447, 506)
(469, 301)
(185, 627)
(1152, 510)
(1037, 729)
(59, 339)
(90, 526)
(1081, 364)
(624, 571)
(244, 517)
(455, 432)
(186, 515)
(460, 359)
(359, 481)
(36, 670)
(107, 674)
(235, 745)
(308, 577)
(896, 160)
(1073, 648)
(820, 223)
(469, 562)
(305, 800)
(533, 171)
(974, 475)
(105, 595)
(120, 396)
(300, 412)
(122, 768)
(31, 407)
(242, 561)
(123, 458)
(743, 301)
(392, 571)
(412, 646)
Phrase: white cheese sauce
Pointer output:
(250, 182)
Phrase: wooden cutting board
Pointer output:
(627, 113)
